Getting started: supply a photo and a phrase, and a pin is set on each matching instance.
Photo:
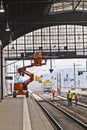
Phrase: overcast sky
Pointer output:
(57, 64)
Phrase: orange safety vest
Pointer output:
(35, 54)
(35, 57)
(76, 96)
(53, 91)
(39, 58)
(39, 54)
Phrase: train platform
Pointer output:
(22, 113)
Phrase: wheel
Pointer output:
(27, 94)
(14, 94)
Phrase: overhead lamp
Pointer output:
(7, 24)
(0, 43)
(1, 7)
(51, 70)
(40, 48)
(12, 47)
(7, 27)
(10, 39)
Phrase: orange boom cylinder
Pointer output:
(18, 86)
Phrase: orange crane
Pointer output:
(21, 88)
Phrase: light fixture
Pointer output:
(0, 43)
(1, 7)
(10, 39)
(12, 47)
(7, 24)
(51, 70)
(7, 27)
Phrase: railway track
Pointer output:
(64, 99)
(79, 111)
(80, 103)
(61, 119)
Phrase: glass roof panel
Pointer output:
(68, 6)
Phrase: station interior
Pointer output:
(43, 46)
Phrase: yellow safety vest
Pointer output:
(69, 95)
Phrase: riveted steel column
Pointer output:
(1, 72)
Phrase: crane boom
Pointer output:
(21, 88)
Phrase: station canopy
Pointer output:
(24, 16)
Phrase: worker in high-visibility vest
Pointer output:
(53, 92)
(39, 58)
(35, 58)
(69, 98)
(76, 98)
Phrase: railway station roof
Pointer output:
(23, 16)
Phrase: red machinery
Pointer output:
(21, 88)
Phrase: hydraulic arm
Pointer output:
(22, 88)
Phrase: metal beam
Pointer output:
(77, 4)
(1, 72)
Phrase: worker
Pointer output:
(39, 58)
(35, 57)
(69, 98)
(53, 92)
(76, 98)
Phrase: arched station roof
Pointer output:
(28, 15)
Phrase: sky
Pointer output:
(59, 65)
